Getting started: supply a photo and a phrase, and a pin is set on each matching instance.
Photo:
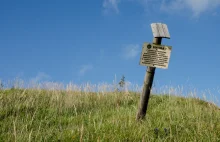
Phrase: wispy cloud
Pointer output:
(196, 6)
(84, 69)
(41, 76)
(130, 51)
(111, 5)
(214, 14)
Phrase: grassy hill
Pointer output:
(41, 115)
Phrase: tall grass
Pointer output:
(79, 113)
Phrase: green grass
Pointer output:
(40, 115)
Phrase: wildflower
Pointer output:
(156, 131)
(166, 131)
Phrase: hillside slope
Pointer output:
(40, 115)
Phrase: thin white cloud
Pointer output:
(196, 6)
(84, 69)
(111, 5)
(130, 51)
(214, 14)
(20, 74)
(41, 76)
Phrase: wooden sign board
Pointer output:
(155, 55)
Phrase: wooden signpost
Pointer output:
(153, 55)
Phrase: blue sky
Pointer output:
(94, 40)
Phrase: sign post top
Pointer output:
(160, 30)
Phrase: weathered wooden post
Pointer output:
(153, 55)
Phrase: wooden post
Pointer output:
(148, 81)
